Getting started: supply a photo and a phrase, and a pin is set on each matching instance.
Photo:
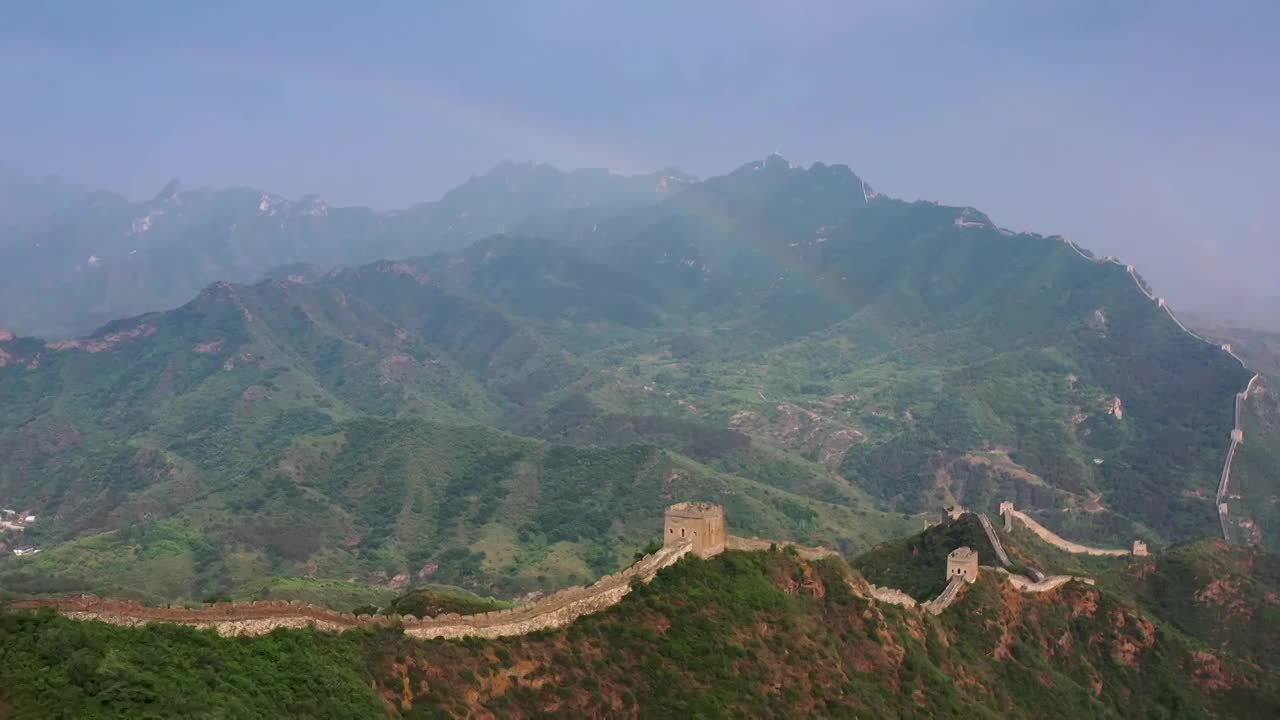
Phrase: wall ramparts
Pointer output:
(755, 544)
(1225, 479)
(1057, 541)
(993, 538)
(948, 596)
(893, 596)
(258, 617)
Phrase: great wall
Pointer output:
(696, 528)
(688, 528)
(1237, 431)
(1052, 538)
(259, 617)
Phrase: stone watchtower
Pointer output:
(1006, 509)
(1139, 548)
(963, 562)
(699, 523)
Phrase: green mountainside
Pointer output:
(514, 414)
(744, 634)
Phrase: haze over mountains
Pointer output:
(509, 411)
(72, 259)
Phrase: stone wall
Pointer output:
(893, 596)
(1049, 583)
(949, 595)
(993, 538)
(555, 610)
(699, 523)
(256, 618)
(734, 542)
(1055, 540)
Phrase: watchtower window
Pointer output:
(681, 532)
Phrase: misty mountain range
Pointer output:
(72, 259)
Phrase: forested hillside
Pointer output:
(764, 634)
(513, 415)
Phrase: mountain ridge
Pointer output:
(771, 330)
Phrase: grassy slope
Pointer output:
(758, 634)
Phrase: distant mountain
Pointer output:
(825, 361)
(73, 260)
(25, 201)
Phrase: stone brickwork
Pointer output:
(993, 538)
(893, 596)
(755, 544)
(256, 618)
(1053, 538)
(1051, 582)
(701, 524)
(703, 534)
(963, 563)
(948, 596)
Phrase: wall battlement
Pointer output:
(701, 524)
(553, 611)
(1049, 536)
(963, 563)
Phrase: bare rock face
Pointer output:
(1115, 408)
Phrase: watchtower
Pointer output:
(1139, 548)
(699, 523)
(963, 562)
(1006, 509)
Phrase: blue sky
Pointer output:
(1144, 129)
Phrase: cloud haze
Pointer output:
(1139, 129)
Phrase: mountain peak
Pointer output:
(774, 159)
(169, 191)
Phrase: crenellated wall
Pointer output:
(1056, 540)
(1237, 433)
(948, 595)
(554, 611)
(259, 617)
(733, 542)
(893, 596)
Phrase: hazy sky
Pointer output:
(1141, 129)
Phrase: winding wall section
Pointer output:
(1057, 541)
(993, 538)
(1237, 432)
(1237, 437)
(946, 597)
(555, 610)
